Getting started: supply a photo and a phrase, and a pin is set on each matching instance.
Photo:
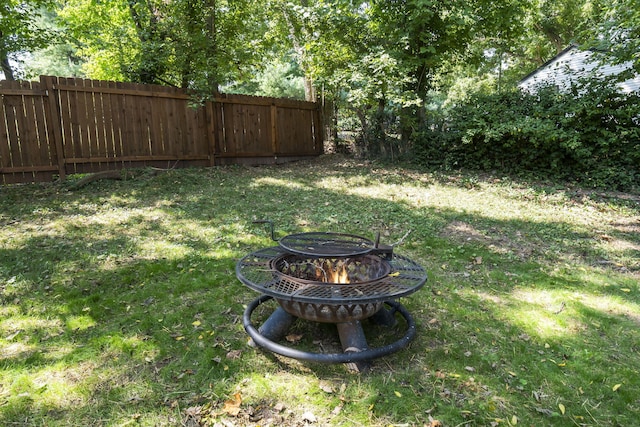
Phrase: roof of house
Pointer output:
(573, 63)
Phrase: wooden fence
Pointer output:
(60, 126)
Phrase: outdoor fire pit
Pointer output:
(334, 278)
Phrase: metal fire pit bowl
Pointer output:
(318, 273)
(302, 284)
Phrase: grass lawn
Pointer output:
(120, 304)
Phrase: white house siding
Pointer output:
(571, 64)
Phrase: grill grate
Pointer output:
(319, 244)
(257, 271)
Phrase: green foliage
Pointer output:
(278, 79)
(617, 31)
(57, 58)
(104, 36)
(592, 138)
(19, 30)
(192, 44)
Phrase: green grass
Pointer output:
(120, 304)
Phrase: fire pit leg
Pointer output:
(365, 355)
(353, 340)
(276, 326)
(384, 317)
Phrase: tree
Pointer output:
(19, 32)
(57, 58)
(618, 32)
(195, 44)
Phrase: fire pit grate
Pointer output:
(257, 271)
(327, 244)
(358, 269)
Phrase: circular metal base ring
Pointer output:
(347, 357)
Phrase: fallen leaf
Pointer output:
(197, 323)
(326, 387)
(293, 338)
(234, 354)
(309, 417)
(562, 408)
(397, 393)
(232, 406)
(470, 368)
(616, 387)
(514, 420)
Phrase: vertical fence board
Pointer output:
(97, 122)
(124, 124)
(211, 128)
(66, 125)
(25, 119)
(116, 120)
(5, 150)
(7, 135)
(157, 112)
(45, 145)
(107, 121)
(12, 102)
(147, 122)
(83, 141)
(54, 124)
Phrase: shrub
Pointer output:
(589, 134)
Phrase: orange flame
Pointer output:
(338, 275)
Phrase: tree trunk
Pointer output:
(146, 20)
(298, 47)
(6, 67)
(4, 61)
(309, 89)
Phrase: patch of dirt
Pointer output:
(463, 232)
(263, 414)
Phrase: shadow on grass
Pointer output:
(124, 298)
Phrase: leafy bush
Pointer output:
(590, 134)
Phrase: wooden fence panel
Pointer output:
(296, 131)
(245, 129)
(25, 152)
(68, 125)
(256, 127)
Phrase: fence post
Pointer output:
(55, 126)
(274, 128)
(211, 115)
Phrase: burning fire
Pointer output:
(334, 272)
(339, 275)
